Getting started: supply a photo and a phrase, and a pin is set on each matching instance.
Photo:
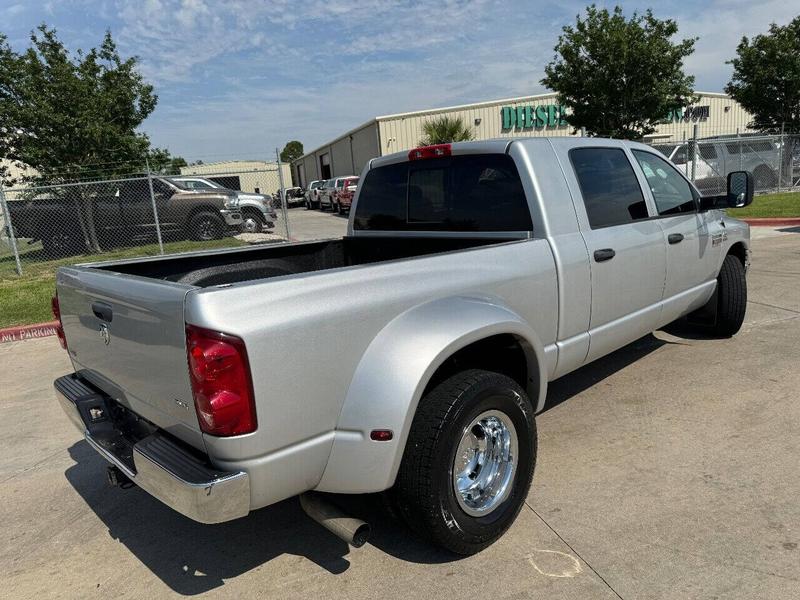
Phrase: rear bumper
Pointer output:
(157, 464)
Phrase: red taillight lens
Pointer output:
(436, 151)
(220, 374)
(62, 339)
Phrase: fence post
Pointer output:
(155, 210)
(694, 148)
(10, 228)
(284, 200)
(780, 158)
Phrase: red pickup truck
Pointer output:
(344, 198)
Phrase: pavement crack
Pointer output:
(31, 467)
(797, 312)
(568, 545)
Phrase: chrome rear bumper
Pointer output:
(156, 463)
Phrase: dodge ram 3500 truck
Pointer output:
(414, 351)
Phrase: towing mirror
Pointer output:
(740, 189)
(738, 195)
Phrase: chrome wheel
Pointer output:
(251, 224)
(485, 463)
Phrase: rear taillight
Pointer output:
(435, 151)
(221, 384)
(62, 339)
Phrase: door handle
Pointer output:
(675, 238)
(604, 254)
(103, 311)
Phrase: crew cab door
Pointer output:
(693, 238)
(626, 247)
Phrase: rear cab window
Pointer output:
(609, 187)
(465, 193)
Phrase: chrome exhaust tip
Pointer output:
(353, 531)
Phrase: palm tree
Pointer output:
(443, 130)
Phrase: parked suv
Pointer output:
(257, 210)
(716, 157)
(346, 195)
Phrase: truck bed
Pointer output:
(263, 262)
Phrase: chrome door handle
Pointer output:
(604, 254)
(675, 238)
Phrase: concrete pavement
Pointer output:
(666, 470)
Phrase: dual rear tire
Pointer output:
(468, 461)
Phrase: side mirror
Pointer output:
(738, 195)
(740, 189)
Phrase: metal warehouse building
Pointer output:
(540, 115)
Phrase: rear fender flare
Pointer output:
(391, 377)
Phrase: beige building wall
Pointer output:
(404, 131)
(713, 114)
(254, 175)
(16, 173)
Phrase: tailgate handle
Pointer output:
(102, 311)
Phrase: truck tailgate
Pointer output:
(126, 336)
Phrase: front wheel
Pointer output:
(253, 222)
(206, 226)
(468, 461)
(731, 297)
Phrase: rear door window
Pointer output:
(610, 190)
(475, 192)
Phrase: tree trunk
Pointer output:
(86, 219)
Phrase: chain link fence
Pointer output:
(774, 160)
(138, 216)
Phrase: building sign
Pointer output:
(529, 117)
(690, 113)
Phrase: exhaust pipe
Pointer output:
(116, 478)
(353, 531)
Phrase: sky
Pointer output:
(238, 78)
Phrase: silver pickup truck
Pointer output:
(414, 352)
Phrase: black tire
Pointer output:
(206, 226)
(425, 493)
(253, 221)
(764, 178)
(731, 297)
(308, 205)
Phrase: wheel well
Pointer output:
(504, 353)
(201, 209)
(739, 251)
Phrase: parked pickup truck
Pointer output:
(122, 212)
(257, 210)
(471, 275)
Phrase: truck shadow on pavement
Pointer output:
(192, 558)
(574, 383)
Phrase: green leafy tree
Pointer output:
(766, 78)
(766, 82)
(444, 130)
(163, 163)
(72, 116)
(291, 151)
(620, 77)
